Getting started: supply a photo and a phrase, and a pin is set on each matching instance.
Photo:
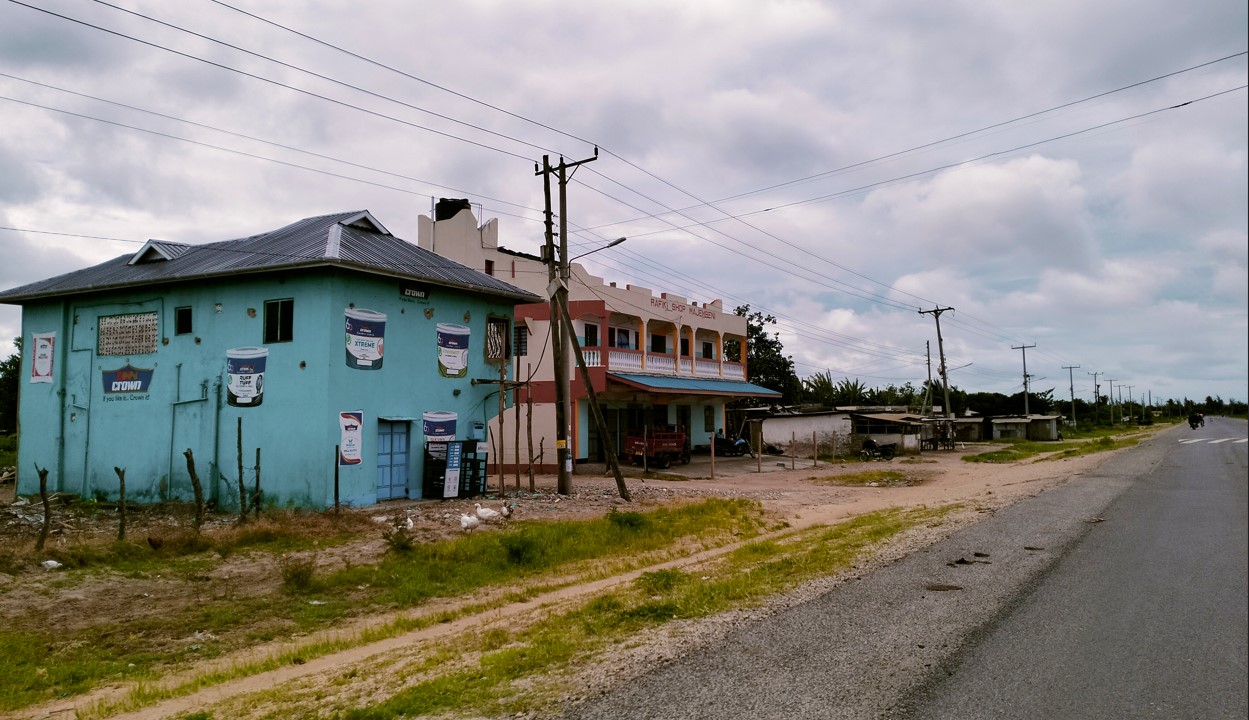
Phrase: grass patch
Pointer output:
(310, 599)
(1017, 450)
(1101, 444)
(512, 679)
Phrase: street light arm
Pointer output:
(611, 244)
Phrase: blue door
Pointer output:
(392, 460)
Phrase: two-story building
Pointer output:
(331, 345)
(655, 360)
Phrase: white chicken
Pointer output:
(469, 523)
(506, 510)
(488, 514)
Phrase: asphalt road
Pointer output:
(1120, 594)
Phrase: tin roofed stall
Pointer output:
(327, 348)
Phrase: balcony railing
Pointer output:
(626, 360)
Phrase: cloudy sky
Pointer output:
(1064, 174)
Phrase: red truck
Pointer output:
(658, 448)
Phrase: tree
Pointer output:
(10, 369)
(906, 395)
(766, 363)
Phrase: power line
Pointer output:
(626, 160)
(243, 136)
(277, 83)
(712, 204)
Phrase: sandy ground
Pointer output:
(798, 491)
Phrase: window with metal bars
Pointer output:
(497, 339)
(520, 340)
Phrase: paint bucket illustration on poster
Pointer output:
(452, 350)
(245, 376)
(365, 332)
(438, 426)
(350, 424)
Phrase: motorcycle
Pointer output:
(882, 452)
(732, 448)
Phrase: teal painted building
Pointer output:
(338, 349)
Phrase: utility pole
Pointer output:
(927, 389)
(1096, 397)
(558, 290)
(1024, 348)
(1129, 387)
(945, 381)
(596, 411)
(1110, 400)
(1071, 378)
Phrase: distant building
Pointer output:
(656, 360)
(1029, 427)
(336, 347)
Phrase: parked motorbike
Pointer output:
(732, 448)
(882, 452)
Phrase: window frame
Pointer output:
(496, 334)
(282, 323)
(178, 314)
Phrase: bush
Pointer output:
(399, 540)
(629, 519)
(8, 451)
(521, 549)
(298, 574)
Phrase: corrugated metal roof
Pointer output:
(353, 241)
(697, 386)
(1024, 419)
(892, 417)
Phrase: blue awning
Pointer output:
(667, 384)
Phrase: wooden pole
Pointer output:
(121, 478)
(197, 487)
(256, 493)
(758, 450)
(713, 457)
(529, 430)
(47, 508)
(516, 437)
(502, 412)
(793, 450)
(645, 447)
(815, 451)
(242, 487)
(595, 410)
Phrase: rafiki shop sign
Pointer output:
(670, 306)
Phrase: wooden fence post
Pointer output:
(47, 507)
(242, 487)
(121, 477)
(197, 487)
(256, 494)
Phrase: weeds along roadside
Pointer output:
(513, 667)
(39, 664)
(1103, 440)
